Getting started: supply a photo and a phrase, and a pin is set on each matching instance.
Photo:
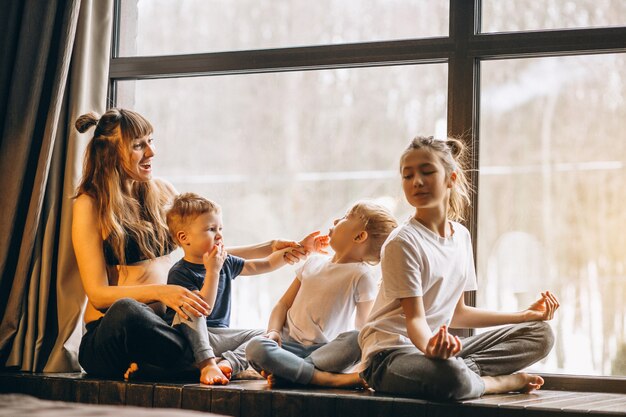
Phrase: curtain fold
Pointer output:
(54, 46)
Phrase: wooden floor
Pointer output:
(252, 398)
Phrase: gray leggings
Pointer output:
(296, 362)
(210, 342)
(502, 351)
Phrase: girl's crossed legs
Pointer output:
(484, 365)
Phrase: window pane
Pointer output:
(518, 15)
(551, 201)
(162, 27)
(287, 153)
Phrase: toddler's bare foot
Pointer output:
(132, 368)
(226, 369)
(328, 379)
(520, 382)
(211, 374)
(274, 381)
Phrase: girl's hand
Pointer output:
(214, 260)
(443, 345)
(543, 308)
(178, 298)
(275, 336)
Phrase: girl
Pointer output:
(123, 250)
(308, 334)
(427, 264)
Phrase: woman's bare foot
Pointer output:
(328, 379)
(211, 374)
(132, 368)
(226, 369)
(520, 382)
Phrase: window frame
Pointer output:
(463, 50)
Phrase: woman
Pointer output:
(124, 251)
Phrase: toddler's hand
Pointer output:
(295, 252)
(313, 242)
(275, 336)
(213, 260)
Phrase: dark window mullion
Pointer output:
(431, 50)
(548, 43)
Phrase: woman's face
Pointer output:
(140, 158)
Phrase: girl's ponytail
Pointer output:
(84, 122)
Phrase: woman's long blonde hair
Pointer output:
(452, 153)
(124, 212)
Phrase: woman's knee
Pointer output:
(127, 311)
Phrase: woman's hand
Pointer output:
(313, 242)
(178, 298)
(544, 308)
(292, 256)
(443, 345)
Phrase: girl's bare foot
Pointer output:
(226, 369)
(520, 382)
(274, 381)
(132, 368)
(211, 374)
(328, 379)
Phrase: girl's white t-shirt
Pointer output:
(418, 262)
(326, 301)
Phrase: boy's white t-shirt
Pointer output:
(418, 262)
(326, 301)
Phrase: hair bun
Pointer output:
(84, 122)
(456, 147)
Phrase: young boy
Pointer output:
(195, 224)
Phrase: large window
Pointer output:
(521, 15)
(551, 200)
(285, 154)
(287, 112)
(164, 27)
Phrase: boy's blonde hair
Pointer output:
(453, 156)
(185, 209)
(378, 222)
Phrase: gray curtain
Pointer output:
(53, 67)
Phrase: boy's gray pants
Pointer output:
(502, 351)
(296, 362)
(210, 342)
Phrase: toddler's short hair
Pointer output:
(185, 208)
(378, 223)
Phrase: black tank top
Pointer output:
(131, 251)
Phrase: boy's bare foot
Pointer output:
(226, 369)
(328, 379)
(132, 368)
(520, 382)
(211, 374)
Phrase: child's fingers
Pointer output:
(439, 343)
(458, 346)
(294, 255)
(312, 234)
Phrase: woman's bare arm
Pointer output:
(87, 241)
